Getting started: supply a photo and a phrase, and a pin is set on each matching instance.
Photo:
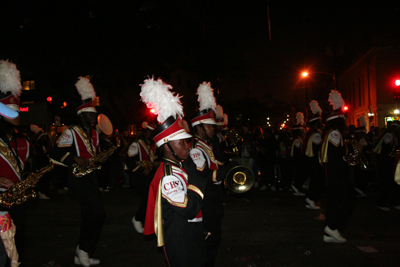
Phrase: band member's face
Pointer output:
(210, 130)
(147, 134)
(181, 148)
(90, 117)
(14, 121)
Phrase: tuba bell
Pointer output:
(239, 179)
(104, 125)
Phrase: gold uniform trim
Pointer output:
(178, 204)
(214, 176)
(64, 157)
(158, 222)
(324, 149)
(8, 155)
(196, 189)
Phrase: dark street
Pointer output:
(260, 228)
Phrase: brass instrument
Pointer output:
(356, 157)
(145, 163)
(239, 179)
(104, 125)
(19, 193)
(94, 163)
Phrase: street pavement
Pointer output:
(260, 228)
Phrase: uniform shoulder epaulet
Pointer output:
(167, 169)
(73, 126)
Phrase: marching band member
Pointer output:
(203, 123)
(386, 149)
(340, 189)
(176, 194)
(141, 151)
(14, 153)
(361, 177)
(312, 142)
(77, 145)
(299, 159)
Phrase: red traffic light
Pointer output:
(345, 108)
(397, 82)
(49, 99)
(152, 110)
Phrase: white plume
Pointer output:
(206, 96)
(300, 118)
(219, 112)
(315, 108)
(363, 121)
(10, 79)
(85, 88)
(336, 100)
(157, 95)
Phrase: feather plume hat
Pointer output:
(168, 108)
(87, 93)
(10, 85)
(300, 122)
(335, 99)
(38, 131)
(208, 105)
(316, 111)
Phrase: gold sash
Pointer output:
(324, 149)
(8, 155)
(158, 222)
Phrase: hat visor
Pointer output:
(183, 135)
(7, 112)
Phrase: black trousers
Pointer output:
(93, 213)
(340, 206)
(316, 185)
(301, 171)
(213, 210)
(142, 185)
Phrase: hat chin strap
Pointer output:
(173, 152)
(204, 129)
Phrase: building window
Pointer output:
(97, 101)
(28, 85)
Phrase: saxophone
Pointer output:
(94, 163)
(145, 164)
(22, 191)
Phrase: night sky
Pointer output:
(120, 43)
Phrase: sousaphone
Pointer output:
(104, 125)
(239, 179)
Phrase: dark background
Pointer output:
(121, 43)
